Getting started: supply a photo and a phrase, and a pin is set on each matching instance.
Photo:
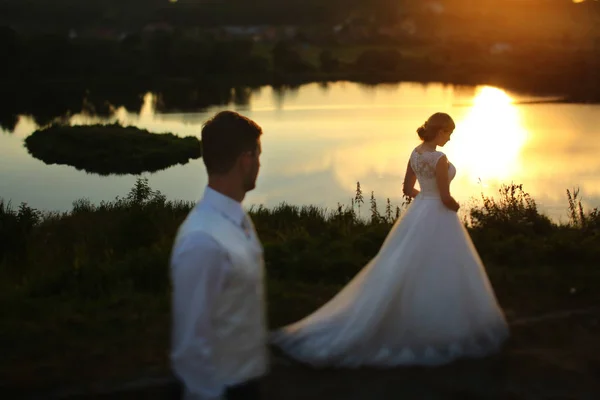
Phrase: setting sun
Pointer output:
(489, 139)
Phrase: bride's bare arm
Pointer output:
(443, 182)
(409, 182)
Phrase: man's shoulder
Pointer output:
(203, 224)
(197, 243)
(199, 217)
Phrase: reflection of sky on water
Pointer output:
(319, 142)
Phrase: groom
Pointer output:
(219, 333)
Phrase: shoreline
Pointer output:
(181, 93)
(153, 84)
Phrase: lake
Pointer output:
(320, 140)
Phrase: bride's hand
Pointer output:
(455, 207)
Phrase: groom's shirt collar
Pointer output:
(225, 205)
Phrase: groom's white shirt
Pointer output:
(219, 329)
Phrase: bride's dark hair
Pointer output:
(429, 130)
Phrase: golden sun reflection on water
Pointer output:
(486, 147)
(318, 143)
(489, 139)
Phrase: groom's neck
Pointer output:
(227, 188)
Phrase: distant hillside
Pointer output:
(524, 17)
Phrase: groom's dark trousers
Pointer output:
(244, 391)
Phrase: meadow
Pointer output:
(85, 294)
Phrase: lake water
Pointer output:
(319, 141)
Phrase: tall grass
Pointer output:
(510, 230)
(124, 245)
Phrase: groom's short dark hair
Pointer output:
(225, 137)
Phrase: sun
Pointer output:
(489, 139)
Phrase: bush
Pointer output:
(111, 149)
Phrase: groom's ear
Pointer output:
(244, 160)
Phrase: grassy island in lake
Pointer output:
(111, 149)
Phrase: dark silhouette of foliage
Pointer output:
(111, 149)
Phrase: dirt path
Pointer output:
(550, 356)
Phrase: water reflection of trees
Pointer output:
(58, 102)
(47, 103)
(281, 93)
(50, 76)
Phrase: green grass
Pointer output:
(111, 149)
(85, 294)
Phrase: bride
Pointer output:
(425, 298)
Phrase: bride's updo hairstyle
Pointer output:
(438, 121)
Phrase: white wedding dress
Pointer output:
(425, 298)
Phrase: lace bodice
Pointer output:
(424, 166)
